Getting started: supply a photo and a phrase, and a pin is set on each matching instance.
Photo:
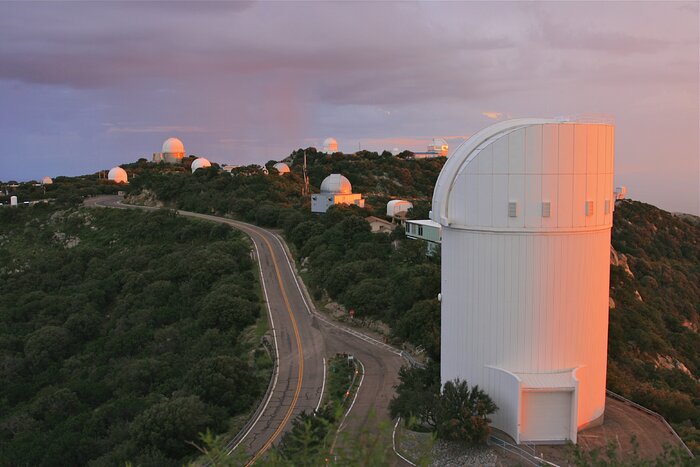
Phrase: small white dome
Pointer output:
(397, 206)
(336, 183)
(330, 145)
(118, 175)
(173, 146)
(282, 168)
(200, 163)
(46, 181)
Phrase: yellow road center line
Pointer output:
(301, 358)
(300, 377)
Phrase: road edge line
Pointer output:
(276, 359)
(393, 443)
(323, 386)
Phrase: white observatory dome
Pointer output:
(526, 209)
(46, 181)
(200, 163)
(282, 168)
(397, 206)
(336, 183)
(118, 175)
(330, 145)
(173, 146)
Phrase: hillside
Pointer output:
(122, 335)
(654, 346)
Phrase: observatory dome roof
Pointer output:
(336, 183)
(46, 181)
(173, 145)
(200, 163)
(282, 168)
(330, 142)
(118, 175)
(513, 176)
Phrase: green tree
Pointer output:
(462, 412)
(170, 425)
(417, 396)
(225, 381)
(309, 439)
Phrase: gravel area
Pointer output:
(452, 454)
(441, 453)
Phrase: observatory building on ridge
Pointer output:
(281, 168)
(438, 147)
(200, 163)
(118, 175)
(330, 146)
(526, 209)
(335, 189)
(173, 152)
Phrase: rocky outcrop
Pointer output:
(620, 259)
(669, 363)
(144, 198)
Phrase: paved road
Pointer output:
(303, 338)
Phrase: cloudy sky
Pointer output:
(85, 86)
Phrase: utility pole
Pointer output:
(305, 191)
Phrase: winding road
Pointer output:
(303, 338)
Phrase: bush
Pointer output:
(462, 413)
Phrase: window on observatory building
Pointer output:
(420, 230)
(546, 209)
(512, 209)
(590, 210)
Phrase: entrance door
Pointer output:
(546, 416)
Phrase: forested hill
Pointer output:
(654, 345)
(123, 334)
(253, 196)
(655, 316)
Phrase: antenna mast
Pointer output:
(306, 178)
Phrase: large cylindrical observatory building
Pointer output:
(526, 211)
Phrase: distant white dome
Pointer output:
(46, 181)
(200, 163)
(282, 168)
(118, 175)
(397, 206)
(336, 183)
(173, 146)
(330, 145)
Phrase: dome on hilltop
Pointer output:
(173, 146)
(397, 206)
(336, 183)
(282, 168)
(200, 163)
(118, 175)
(330, 145)
(46, 181)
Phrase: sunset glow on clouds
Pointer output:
(105, 83)
(492, 115)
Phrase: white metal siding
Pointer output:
(529, 303)
(529, 293)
